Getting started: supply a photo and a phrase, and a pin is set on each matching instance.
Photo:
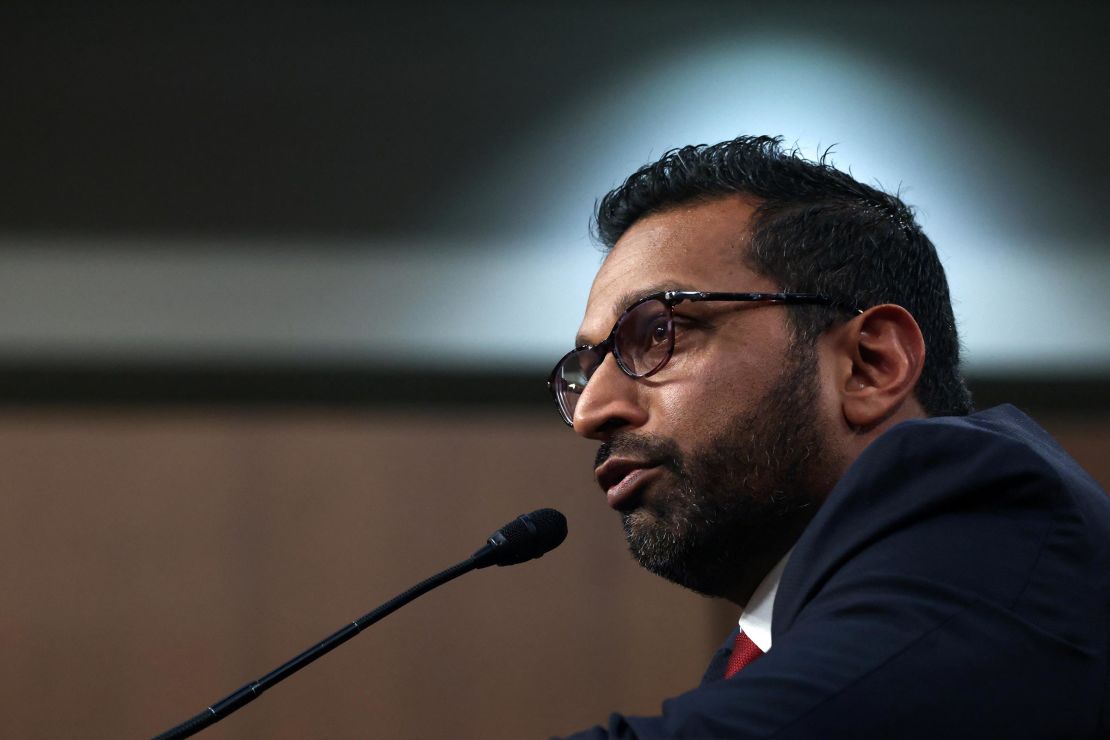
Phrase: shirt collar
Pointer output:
(755, 621)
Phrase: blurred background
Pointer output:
(279, 289)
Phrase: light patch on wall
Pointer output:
(1023, 305)
(378, 304)
(889, 128)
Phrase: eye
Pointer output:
(683, 326)
(657, 331)
(643, 337)
(651, 331)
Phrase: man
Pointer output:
(770, 363)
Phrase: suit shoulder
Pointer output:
(992, 445)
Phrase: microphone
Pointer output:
(525, 538)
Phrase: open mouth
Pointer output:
(624, 480)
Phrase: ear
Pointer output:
(880, 355)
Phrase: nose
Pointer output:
(610, 402)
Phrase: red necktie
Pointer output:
(744, 651)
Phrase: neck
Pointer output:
(757, 566)
(858, 440)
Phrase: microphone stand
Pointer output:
(527, 537)
(251, 691)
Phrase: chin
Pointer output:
(663, 548)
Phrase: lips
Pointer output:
(623, 479)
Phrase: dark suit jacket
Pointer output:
(955, 584)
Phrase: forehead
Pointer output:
(700, 246)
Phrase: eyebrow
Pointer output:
(621, 304)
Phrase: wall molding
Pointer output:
(359, 386)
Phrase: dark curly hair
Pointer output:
(816, 229)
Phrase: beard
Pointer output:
(725, 508)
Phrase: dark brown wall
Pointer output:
(151, 562)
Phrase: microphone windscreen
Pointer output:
(527, 537)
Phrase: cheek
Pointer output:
(704, 400)
(703, 389)
(829, 394)
(682, 411)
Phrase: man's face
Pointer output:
(717, 461)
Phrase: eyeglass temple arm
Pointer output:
(678, 296)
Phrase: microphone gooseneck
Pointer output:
(527, 537)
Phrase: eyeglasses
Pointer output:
(642, 340)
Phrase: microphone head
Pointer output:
(525, 538)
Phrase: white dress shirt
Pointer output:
(755, 621)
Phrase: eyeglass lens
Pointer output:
(643, 340)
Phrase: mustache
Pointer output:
(657, 450)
